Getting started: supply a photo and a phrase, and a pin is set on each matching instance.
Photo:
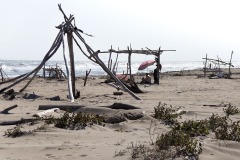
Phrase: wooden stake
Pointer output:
(129, 64)
(85, 79)
(71, 55)
(205, 67)
(67, 70)
(230, 63)
(158, 65)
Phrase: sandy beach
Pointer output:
(199, 97)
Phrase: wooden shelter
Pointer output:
(130, 51)
(75, 35)
(213, 66)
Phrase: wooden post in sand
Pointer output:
(158, 65)
(230, 63)
(109, 60)
(129, 64)
(205, 67)
(71, 55)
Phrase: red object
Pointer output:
(146, 64)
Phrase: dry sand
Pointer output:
(192, 94)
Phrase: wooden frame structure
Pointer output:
(71, 30)
(217, 63)
(130, 51)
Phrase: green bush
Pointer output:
(78, 121)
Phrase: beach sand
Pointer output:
(196, 96)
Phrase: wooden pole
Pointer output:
(2, 74)
(110, 55)
(129, 64)
(71, 55)
(205, 67)
(230, 63)
(67, 69)
(158, 65)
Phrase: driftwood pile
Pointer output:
(54, 73)
(3, 75)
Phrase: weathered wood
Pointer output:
(129, 64)
(6, 111)
(205, 67)
(109, 59)
(229, 69)
(85, 79)
(66, 107)
(71, 55)
(67, 69)
(43, 113)
(158, 66)
(16, 122)
(217, 60)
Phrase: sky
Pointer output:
(193, 28)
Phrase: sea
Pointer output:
(13, 68)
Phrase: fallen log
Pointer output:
(5, 111)
(61, 107)
(41, 114)
(16, 122)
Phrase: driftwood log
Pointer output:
(6, 111)
(85, 79)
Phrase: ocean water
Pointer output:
(13, 68)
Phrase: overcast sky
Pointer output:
(193, 28)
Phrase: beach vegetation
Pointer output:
(231, 110)
(78, 120)
(193, 128)
(15, 132)
(166, 113)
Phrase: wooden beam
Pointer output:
(71, 55)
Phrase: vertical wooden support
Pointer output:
(71, 55)
(67, 70)
(230, 63)
(109, 60)
(1, 74)
(129, 64)
(44, 71)
(205, 67)
(158, 65)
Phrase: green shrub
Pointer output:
(231, 110)
(167, 114)
(78, 121)
(15, 132)
(183, 143)
(193, 128)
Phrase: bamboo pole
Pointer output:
(71, 55)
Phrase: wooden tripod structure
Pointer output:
(71, 30)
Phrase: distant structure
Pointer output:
(213, 66)
(4, 76)
(70, 29)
